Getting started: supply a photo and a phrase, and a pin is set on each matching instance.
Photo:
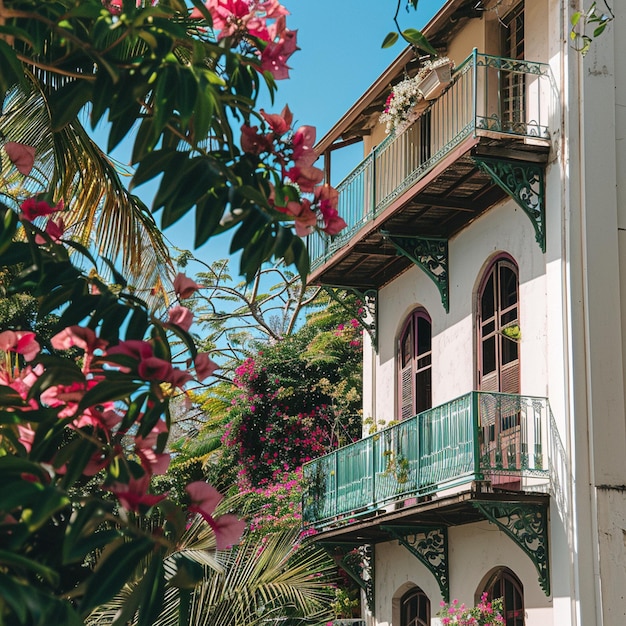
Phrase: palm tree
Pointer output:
(102, 214)
(262, 582)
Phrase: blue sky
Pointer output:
(340, 56)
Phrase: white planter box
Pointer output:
(436, 81)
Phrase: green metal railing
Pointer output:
(488, 94)
(479, 436)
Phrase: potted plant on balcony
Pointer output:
(404, 105)
(434, 77)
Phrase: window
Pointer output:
(499, 371)
(498, 355)
(415, 358)
(415, 608)
(513, 83)
(503, 583)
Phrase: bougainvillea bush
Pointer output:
(485, 613)
(297, 399)
(84, 420)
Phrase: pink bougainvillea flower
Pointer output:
(54, 230)
(204, 366)
(280, 124)
(134, 494)
(25, 435)
(154, 368)
(306, 177)
(66, 397)
(180, 316)
(274, 61)
(178, 377)
(273, 9)
(79, 337)
(20, 341)
(204, 498)
(184, 286)
(32, 208)
(152, 461)
(303, 142)
(254, 142)
(21, 155)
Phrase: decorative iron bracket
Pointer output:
(366, 314)
(525, 183)
(429, 253)
(430, 545)
(357, 560)
(527, 525)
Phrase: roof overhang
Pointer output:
(438, 31)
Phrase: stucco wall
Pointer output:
(503, 229)
(475, 550)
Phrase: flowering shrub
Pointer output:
(84, 421)
(175, 78)
(485, 613)
(400, 107)
(298, 399)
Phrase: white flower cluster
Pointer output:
(400, 110)
(399, 113)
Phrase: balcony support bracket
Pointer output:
(527, 525)
(366, 313)
(357, 560)
(525, 183)
(430, 545)
(429, 253)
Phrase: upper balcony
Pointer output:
(486, 136)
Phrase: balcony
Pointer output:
(481, 457)
(431, 461)
(487, 136)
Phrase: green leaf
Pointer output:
(150, 607)
(122, 123)
(108, 391)
(415, 37)
(14, 595)
(67, 102)
(209, 212)
(389, 40)
(9, 226)
(11, 71)
(137, 325)
(48, 503)
(113, 571)
(10, 559)
(154, 164)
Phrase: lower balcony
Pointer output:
(432, 461)
(481, 457)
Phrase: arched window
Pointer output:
(503, 583)
(415, 608)
(414, 364)
(498, 354)
(499, 370)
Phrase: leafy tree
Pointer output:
(173, 83)
(85, 408)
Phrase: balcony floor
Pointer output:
(439, 205)
(451, 510)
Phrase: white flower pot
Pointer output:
(433, 84)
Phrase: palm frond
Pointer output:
(101, 212)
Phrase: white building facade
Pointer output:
(487, 246)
